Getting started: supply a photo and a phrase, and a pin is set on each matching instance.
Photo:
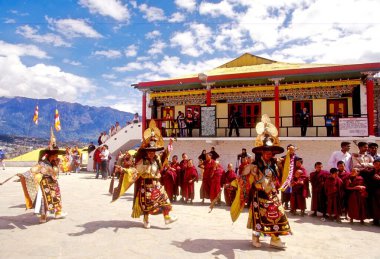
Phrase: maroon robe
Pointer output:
(375, 197)
(300, 191)
(334, 193)
(181, 175)
(209, 168)
(318, 195)
(216, 177)
(229, 191)
(169, 179)
(191, 174)
(357, 198)
(177, 167)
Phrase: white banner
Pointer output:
(353, 127)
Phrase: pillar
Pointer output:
(276, 102)
(143, 111)
(208, 95)
(370, 106)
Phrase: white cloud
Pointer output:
(9, 21)
(152, 13)
(40, 81)
(109, 76)
(195, 41)
(223, 8)
(131, 51)
(108, 53)
(73, 28)
(177, 17)
(188, 5)
(157, 47)
(7, 49)
(152, 35)
(49, 38)
(72, 62)
(112, 8)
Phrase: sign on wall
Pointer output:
(353, 127)
(208, 121)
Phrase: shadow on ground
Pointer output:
(92, 227)
(22, 221)
(223, 247)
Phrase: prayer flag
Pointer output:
(57, 123)
(35, 117)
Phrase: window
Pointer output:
(250, 113)
(297, 109)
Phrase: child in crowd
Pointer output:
(334, 193)
(357, 197)
(191, 175)
(300, 191)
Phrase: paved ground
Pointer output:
(95, 228)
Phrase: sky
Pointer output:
(92, 51)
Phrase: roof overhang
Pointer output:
(333, 72)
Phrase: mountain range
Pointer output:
(78, 122)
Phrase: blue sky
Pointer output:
(91, 51)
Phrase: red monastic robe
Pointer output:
(169, 179)
(375, 196)
(334, 193)
(209, 168)
(357, 198)
(318, 194)
(191, 174)
(229, 191)
(300, 191)
(215, 187)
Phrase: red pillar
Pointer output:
(143, 112)
(277, 105)
(370, 106)
(208, 95)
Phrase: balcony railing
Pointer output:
(289, 127)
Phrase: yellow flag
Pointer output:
(35, 117)
(57, 123)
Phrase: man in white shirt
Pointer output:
(117, 127)
(104, 161)
(341, 155)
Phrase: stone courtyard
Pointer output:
(96, 228)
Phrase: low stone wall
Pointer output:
(310, 149)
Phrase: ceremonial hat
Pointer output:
(267, 137)
(152, 139)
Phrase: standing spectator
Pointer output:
(372, 150)
(304, 121)
(75, 159)
(334, 193)
(189, 123)
(181, 124)
(105, 137)
(112, 131)
(242, 155)
(234, 121)
(136, 118)
(374, 197)
(214, 155)
(117, 127)
(2, 158)
(288, 164)
(104, 161)
(196, 118)
(362, 160)
(215, 187)
(181, 175)
(91, 147)
(342, 155)
(209, 168)
(357, 197)
(191, 175)
(100, 139)
(176, 166)
(300, 191)
(318, 196)
(201, 158)
(229, 190)
(329, 124)
(98, 161)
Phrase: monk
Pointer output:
(209, 168)
(181, 174)
(357, 196)
(191, 175)
(169, 179)
(176, 166)
(343, 175)
(215, 187)
(300, 191)
(375, 193)
(334, 193)
(229, 190)
(318, 195)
